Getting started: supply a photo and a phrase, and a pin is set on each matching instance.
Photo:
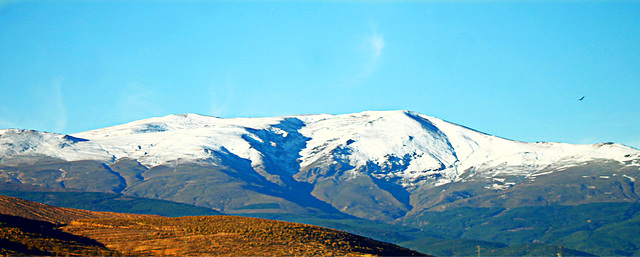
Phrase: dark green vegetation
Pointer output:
(600, 228)
(461, 247)
(428, 240)
(534, 249)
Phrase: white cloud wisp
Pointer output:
(374, 46)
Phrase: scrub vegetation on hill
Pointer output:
(30, 228)
(21, 236)
(227, 236)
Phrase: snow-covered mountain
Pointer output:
(396, 151)
(409, 147)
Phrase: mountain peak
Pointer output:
(402, 146)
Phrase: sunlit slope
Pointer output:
(27, 228)
(227, 236)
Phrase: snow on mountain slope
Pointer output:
(430, 150)
(482, 152)
(383, 139)
(400, 146)
(183, 137)
(20, 142)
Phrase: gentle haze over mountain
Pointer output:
(516, 70)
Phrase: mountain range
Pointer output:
(395, 167)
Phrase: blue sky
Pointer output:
(515, 69)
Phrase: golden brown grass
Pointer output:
(29, 228)
(226, 236)
(20, 236)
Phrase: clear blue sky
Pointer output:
(514, 70)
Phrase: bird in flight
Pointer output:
(581, 98)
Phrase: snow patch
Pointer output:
(541, 174)
(630, 178)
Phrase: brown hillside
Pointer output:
(227, 236)
(26, 237)
(29, 228)
(56, 215)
